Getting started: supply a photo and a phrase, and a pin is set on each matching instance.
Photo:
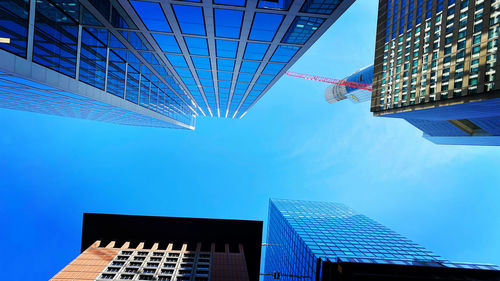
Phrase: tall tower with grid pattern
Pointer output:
(323, 241)
(436, 67)
(124, 247)
(149, 62)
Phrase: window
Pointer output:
(152, 15)
(302, 29)
(255, 51)
(264, 26)
(228, 23)
(284, 53)
(226, 49)
(190, 19)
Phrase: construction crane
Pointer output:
(346, 83)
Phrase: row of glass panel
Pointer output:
(228, 22)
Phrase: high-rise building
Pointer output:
(321, 241)
(436, 65)
(149, 62)
(123, 247)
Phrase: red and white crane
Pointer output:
(346, 83)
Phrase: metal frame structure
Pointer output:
(227, 104)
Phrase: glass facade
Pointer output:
(302, 234)
(174, 58)
(432, 54)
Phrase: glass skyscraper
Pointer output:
(152, 63)
(436, 66)
(305, 237)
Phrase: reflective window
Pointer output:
(280, 4)
(132, 84)
(189, 81)
(183, 72)
(265, 26)
(201, 62)
(320, 6)
(264, 79)
(273, 68)
(208, 85)
(226, 49)
(227, 76)
(226, 65)
(93, 59)
(228, 23)
(190, 19)
(259, 87)
(230, 2)
(255, 51)
(14, 25)
(224, 84)
(249, 66)
(152, 15)
(116, 74)
(56, 37)
(197, 46)
(167, 43)
(242, 85)
(204, 74)
(284, 53)
(245, 77)
(177, 60)
(301, 30)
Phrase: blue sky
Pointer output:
(292, 144)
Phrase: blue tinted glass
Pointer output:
(284, 53)
(265, 26)
(204, 74)
(177, 60)
(197, 46)
(255, 51)
(201, 62)
(208, 85)
(301, 30)
(189, 81)
(264, 79)
(242, 86)
(259, 87)
(226, 65)
(273, 68)
(224, 84)
(320, 6)
(226, 49)
(249, 66)
(230, 2)
(190, 19)
(279, 4)
(228, 23)
(152, 15)
(227, 76)
(167, 43)
(183, 72)
(245, 77)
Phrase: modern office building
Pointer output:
(336, 93)
(123, 247)
(321, 241)
(150, 62)
(436, 66)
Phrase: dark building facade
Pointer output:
(436, 67)
(119, 247)
(149, 62)
(329, 241)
